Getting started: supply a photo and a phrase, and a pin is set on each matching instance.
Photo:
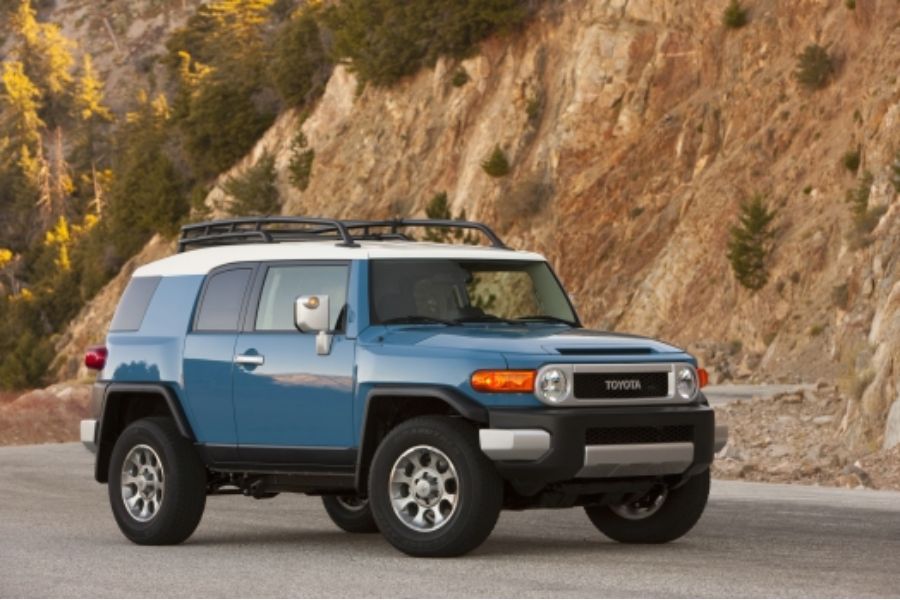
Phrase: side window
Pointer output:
(220, 308)
(133, 305)
(284, 284)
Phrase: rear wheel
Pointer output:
(157, 483)
(657, 517)
(350, 513)
(433, 492)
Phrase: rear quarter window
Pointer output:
(133, 305)
(220, 308)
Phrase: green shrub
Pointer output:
(300, 64)
(840, 296)
(895, 172)
(851, 4)
(749, 245)
(219, 124)
(460, 77)
(439, 208)
(385, 40)
(535, 108)
(735, 15)
(254, 191)
(808, 190)
(816, 330)
(814, 66)
(864, 218)
(851, 160)
(496, 165)
(300, 167)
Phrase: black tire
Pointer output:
(350, 513)
(183, 499)
(477, 488)
(679, 512)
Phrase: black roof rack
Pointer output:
(295, 229)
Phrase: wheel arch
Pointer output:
(387, 407)
(125, 403)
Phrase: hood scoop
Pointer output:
(604, 351)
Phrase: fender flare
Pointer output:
(113, 391)
(466, 407)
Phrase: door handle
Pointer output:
(249, 359)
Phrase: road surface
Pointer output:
(58, 538)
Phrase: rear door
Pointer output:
(293, 405)
(209, 355)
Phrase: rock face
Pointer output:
(892, 429)
(635, 128)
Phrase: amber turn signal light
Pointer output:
(702, 377)
(503, 381)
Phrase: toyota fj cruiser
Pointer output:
(418, 388)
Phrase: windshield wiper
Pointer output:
(547, 318)
(486, 319)
(416, 319)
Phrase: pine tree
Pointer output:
(91, 116)
(750, 244)
(147, 192)
(254, 192)
(21, 102)
(45, 55)
(300, 64)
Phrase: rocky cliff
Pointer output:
(635, 128)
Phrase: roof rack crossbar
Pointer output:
(227, 231)
(275, 229)
(396, 224)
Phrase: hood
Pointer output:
(507, 339)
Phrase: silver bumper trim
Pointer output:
(514, 444)
(634, 460)
(721, 438)
(88, 434)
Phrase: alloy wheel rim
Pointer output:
(424, 488)
(642, 508)
(143, 483)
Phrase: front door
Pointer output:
(293, 405)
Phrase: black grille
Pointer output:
(638, 435)
(621, 385)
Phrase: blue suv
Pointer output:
(417, 387)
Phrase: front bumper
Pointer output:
(89, 434)
(534, 448)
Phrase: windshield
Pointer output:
(453, 291)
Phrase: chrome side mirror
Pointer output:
(312, 314)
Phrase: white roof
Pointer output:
(203, 260)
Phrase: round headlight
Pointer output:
(686, 383)
(552, 386)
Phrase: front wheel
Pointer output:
(656, 518)
(350, 513)
(433, 492)
(157, 483)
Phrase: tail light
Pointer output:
(95, 358)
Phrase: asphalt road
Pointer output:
(58, 538)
